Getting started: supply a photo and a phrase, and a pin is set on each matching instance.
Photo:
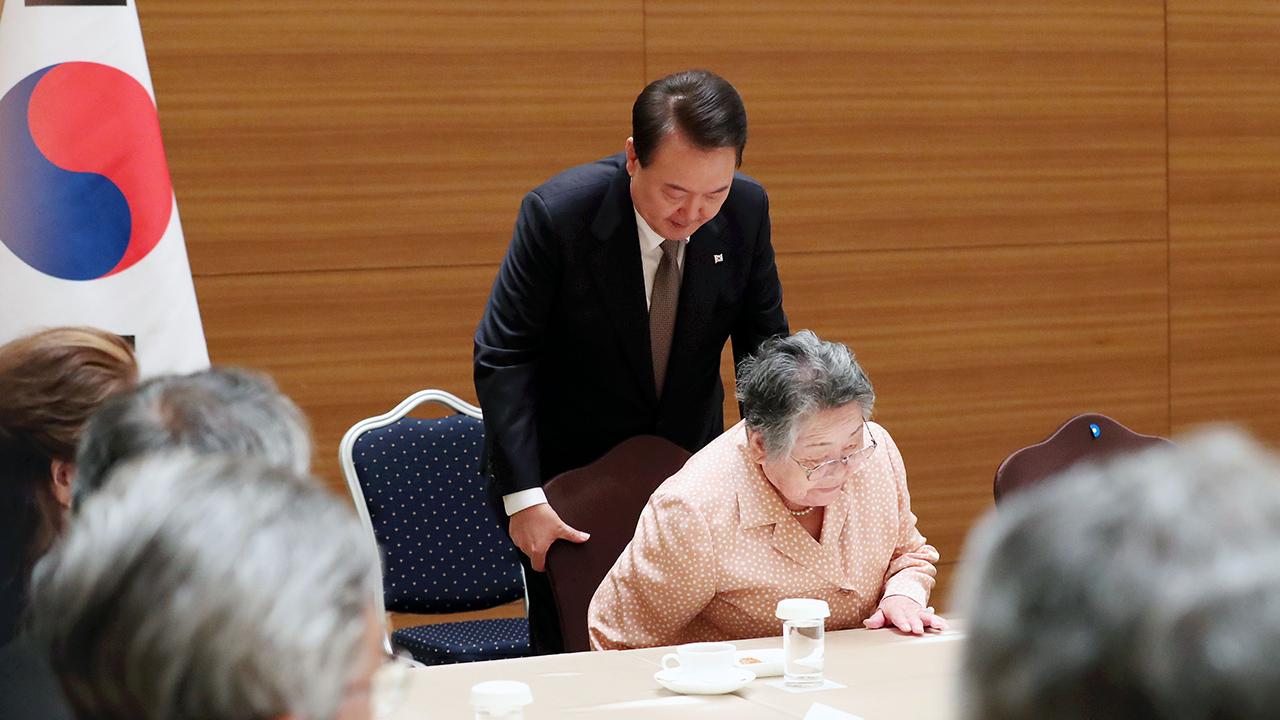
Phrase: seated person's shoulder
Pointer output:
(883, 438)
(879, 432)
(682, 490)
(708, 483)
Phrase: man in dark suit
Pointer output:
(622, 283)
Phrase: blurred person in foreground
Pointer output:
(50, 383)
(806, 497)
(1144, 589)
(210, 588)
(216, 411)
(207, 413)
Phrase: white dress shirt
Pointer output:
(650, 256)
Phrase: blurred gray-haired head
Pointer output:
(1145, 588)
(220, 410)
(210, 587)
(790, 378)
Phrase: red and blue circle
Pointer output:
(84, 184)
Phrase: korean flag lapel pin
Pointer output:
(719, 258)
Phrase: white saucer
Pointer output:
(766, 662)
(676, 681)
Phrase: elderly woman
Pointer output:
(804, 498)
(50, 383)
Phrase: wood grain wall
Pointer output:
(1224, 213)
(1014, 211)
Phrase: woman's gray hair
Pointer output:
(219, 410)
(206, 587)
(791, 378)
(1145, 588)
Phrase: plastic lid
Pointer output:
(803, 609)
(501, 693)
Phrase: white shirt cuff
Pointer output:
(517, 501)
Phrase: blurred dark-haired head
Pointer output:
(211, 412)
(50, 383)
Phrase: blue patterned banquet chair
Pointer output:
(417, 488)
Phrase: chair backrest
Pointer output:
(604, 499)
(1083, 437)
(417, 488)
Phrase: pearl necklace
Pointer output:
(805, 511)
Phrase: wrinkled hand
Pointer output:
(905, 614)
(534, 529)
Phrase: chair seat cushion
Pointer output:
(467, 641)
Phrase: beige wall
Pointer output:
(1013, 210)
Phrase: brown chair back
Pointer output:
(604, 499)
(1089, 436)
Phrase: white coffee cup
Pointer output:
(704, 661)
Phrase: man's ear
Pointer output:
(633, 160)
(62, 472)
(755, 446)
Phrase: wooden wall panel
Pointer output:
(975, 353)
(348, 345)
(928, 123)
(329, 134)
(972, 195)
(1224, 186)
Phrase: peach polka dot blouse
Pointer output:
(715, 550)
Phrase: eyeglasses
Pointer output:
(849, 463)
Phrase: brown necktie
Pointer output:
(662, 310)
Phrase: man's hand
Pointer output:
(534, 529)
(905, 614)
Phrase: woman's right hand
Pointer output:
(906, 615)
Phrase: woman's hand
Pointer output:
(905, 614)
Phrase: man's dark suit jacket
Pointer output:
(563, 366)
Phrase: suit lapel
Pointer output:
(699, 288)
(619, 278)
